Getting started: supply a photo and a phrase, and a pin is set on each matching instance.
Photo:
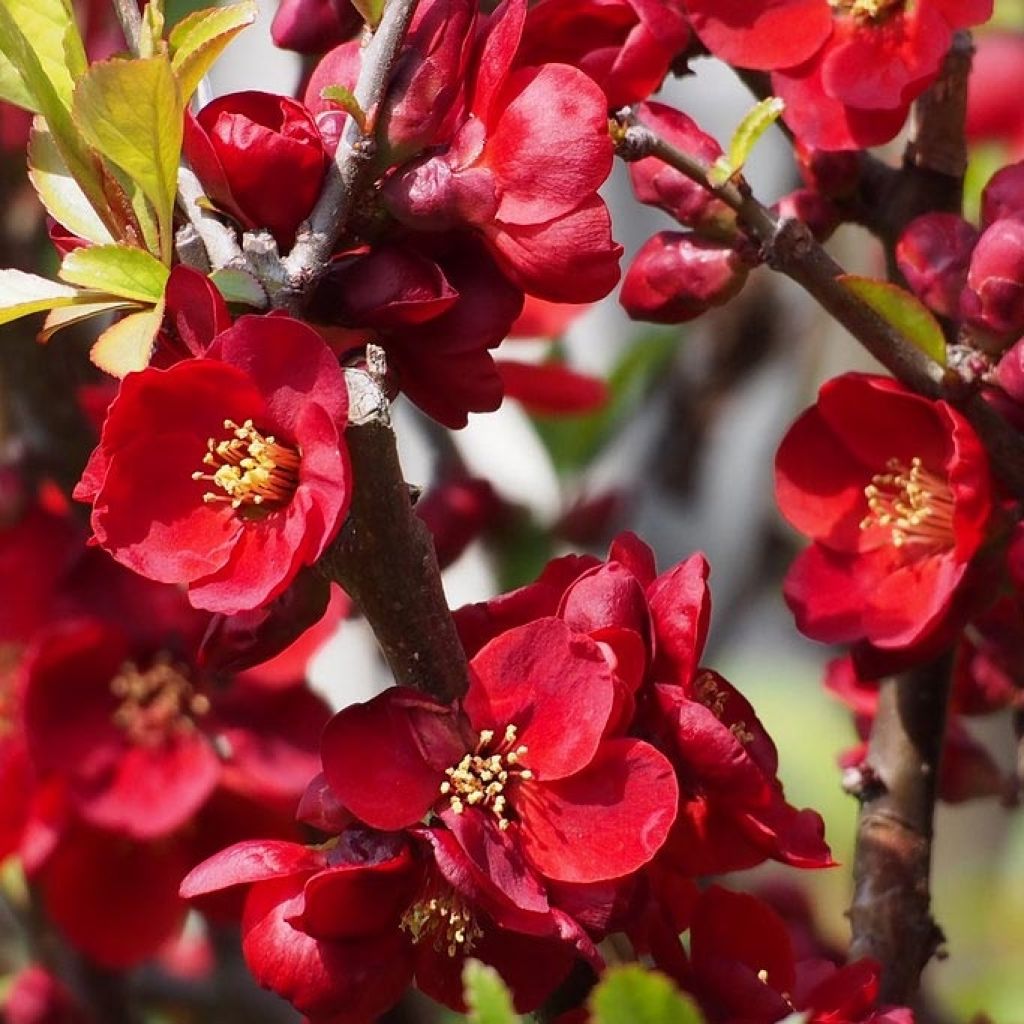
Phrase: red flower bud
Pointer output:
(37, 997)
(339, 67)
(260, 157)
(313, 26)
(675, 277)
(994, 297)
(1003, 195)
(834, 173)
(933, 255)
(657, 184)
(818, 212)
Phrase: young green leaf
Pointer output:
(903, 311)
(634, 995)
(487, 998)
(68, 316)
(347, 101)
(240, 287)
(131, 112)
(151, 38)
(117, 270)
(756, 122)
(48, 26)
(370, 11)
(58, 191)
(21, 294)
(200, 38)
(127, 346)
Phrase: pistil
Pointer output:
(250, 469)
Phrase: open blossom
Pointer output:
(894, 492)
(523, 169)
(525, 765)
(226, 473)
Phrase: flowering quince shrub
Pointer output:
(541, 807)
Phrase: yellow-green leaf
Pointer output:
(131, 112)
(756, 122)
(200, 38)
(487, 997)
(347, 101)
(21, 294)
(117, 270)
(634, 995)
(67, 316)
(128, 344)
(371, 11)
(239, 286)
(151, 38)
(58, 191)
(907, 314)
(48, 26)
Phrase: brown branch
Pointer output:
(890, 913)
(353, 159)
(789, 248)
(384, 558)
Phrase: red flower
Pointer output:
(313, 26)
(523, 170)
(260, 158)
(856, 89)
(626, 46)
(227, 473)
(526, 764)
(894, 491)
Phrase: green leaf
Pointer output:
(200, 38)
(151, 38)
(748, 132)
(127, 346)
(346, 99)
(903, 311)
(117, 270)
(48, 26)
(634, 995)
(371, 11)
(239, 286)
(487, 997)
(67, 316)
(21, 294)
(58, 191)
(131, 112)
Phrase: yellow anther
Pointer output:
(913, 504)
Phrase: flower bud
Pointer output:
(933, 254)
(1003, 195)
(994, 297)
(260, 158)
(313, 26)
(817, 211)
(37, 997)
(657, 184)
(338, 67)
(675, 277)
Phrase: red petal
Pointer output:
(552, 389)
(254, 860)
(680, 603)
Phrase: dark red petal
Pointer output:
(552, 685)
(254, 860)
(604, 822)
(680, 604)
(385, 758)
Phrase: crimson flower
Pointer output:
(226, 473)
(894, 492)
(523, 169)
(523, 769)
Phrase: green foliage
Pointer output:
(239, 287)
(21, 294)
(486, 996)
(749, 131)
(634, 995)
(48, 29)
(347, 101)
(128, 344)
(117, 270)
(903, 311)
(370, 11)
(131, 111)
(200, 38)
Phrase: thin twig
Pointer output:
(308, 258)
(221, 242)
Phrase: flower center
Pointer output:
(915, 505)
(155, 703)
(868, 10)
(483, 776)
(250, 469)
(445, 920)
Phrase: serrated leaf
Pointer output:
(151, 38)
(756, 122)
(487, 998)
(131, 112)
(200, 38)
(127, 345)
(22, 294)
(634, 995)
(49, 28)
(370, 11)
(117, 270)
(68, 316)
(239, 286)
(58, 191)
(905, 312)
(346, 99)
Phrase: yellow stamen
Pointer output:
(446, 920)
(913, 504)
(156, 702)
(482, 777)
